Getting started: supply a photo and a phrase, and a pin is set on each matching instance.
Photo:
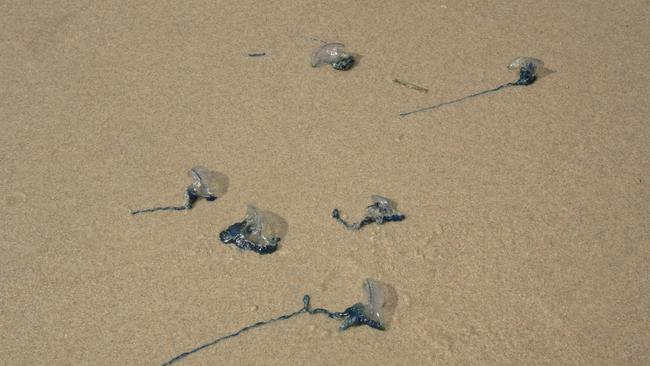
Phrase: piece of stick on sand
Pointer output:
(411, 86)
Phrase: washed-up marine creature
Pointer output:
(381, 211)
(205, 184)
(259, 232)
(529, 69)
(332, 54)
(375, 312)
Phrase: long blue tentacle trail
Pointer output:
(305, 309)
(528, 72)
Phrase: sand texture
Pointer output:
(527, 238)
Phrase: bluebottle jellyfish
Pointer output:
(375, 312)
(206, 184)
(381, 211)
(259, 231)
(528, 72)
(332, 54)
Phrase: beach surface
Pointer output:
(527, 238)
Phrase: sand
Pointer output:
(527, 237)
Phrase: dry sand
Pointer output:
(527, 238)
